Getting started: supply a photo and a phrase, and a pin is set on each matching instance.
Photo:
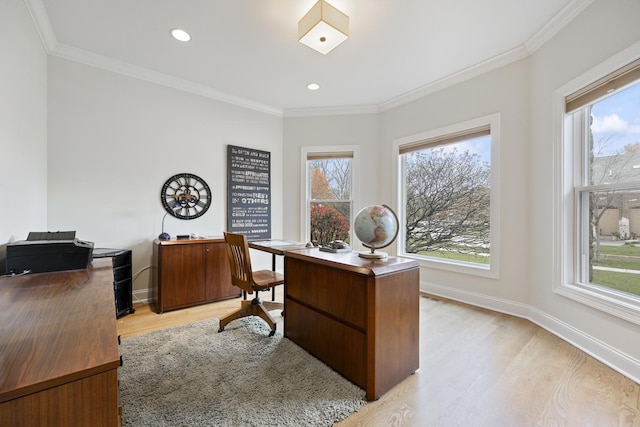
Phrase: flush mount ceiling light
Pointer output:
(313, 86)
(323, 28)
(180, 35)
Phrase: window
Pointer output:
(329, 189)
(601, 192)
(448, 187)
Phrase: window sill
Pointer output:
(479, 270)
(614, 303)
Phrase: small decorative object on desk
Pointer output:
(377, 227)
(336, 246)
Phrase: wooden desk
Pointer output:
(359, 316)
(275, 247)
(59, 354)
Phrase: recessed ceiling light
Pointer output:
(180, 35)
(313, 86)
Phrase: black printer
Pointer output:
(48, 251)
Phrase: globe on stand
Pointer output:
(377, 227)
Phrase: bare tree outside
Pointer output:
(337, 172)
(330, 208)
(447, 202)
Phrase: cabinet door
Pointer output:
(218, 275)
(182, 275)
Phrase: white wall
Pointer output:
(23, 126)
(114, 141)
(358, 130)
(522, 94)
(600, 32)
(505, 92)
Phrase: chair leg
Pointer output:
(249, 308)
(244, 311)
(260, 311)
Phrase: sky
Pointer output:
(617, 118)
(480, 146)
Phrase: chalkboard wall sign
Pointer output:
(249, 192)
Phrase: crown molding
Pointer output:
(331, 111)
(458, 77)
(559, 21)
(47, 36)
(41, 20)
(106, 63)
(555, 24)
(43, 25)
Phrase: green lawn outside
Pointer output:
(457, 256)
(626, 250)
(613, 263)
(630, 250)
(626, 282)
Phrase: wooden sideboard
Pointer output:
(359, 316)
(188, 272)
(59, 353)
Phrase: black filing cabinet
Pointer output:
(122, 277)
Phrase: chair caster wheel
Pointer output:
(221, 329)
(272, 333)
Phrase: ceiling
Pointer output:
(246, 51)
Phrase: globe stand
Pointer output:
(373, 255)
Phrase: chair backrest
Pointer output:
(239, 261)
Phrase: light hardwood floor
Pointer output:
(477, 368)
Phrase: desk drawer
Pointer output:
(339, 293)
(339, 346)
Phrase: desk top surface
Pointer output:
(275, 246)
(352, 261)
(55, 328)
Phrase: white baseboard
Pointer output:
(142, 296)
(610, 356)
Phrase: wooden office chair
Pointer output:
(250, 281)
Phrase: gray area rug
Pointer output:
(194, 376)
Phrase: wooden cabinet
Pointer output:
(190, 272)
(357, 315)
(59, 344)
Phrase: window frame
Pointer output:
(352, 151)
(569, 166)
(492, 270)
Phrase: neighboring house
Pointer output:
(622, 209)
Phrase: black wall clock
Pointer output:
(186, 196)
